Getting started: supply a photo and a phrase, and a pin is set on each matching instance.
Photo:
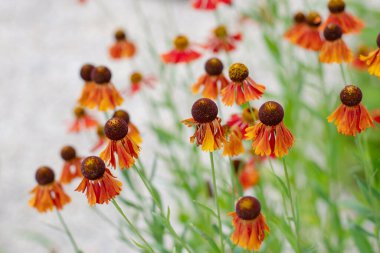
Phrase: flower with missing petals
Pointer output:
(212, 81)
(297, 29)
(208, 131)
(82, 120)
(310, 37)
(133, 131)
(209, 4)
(221, 40)
(242, 88)
(270, 135)
(122, 48)
(233, 145)
(182, 52)
(137, 81)
(98, 182)
(244, 120)
(373, 60)
(351, 117)
(249, 224)
(48, 193)
(71, 166)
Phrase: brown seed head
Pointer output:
(204, 110)
(136, 77)
(299, 18)
(101, 75)
(336, 6)
(248, 208)
(44, 175)
(122, 114)
(116, 129)
(271, 113)
(247, 115)
(93, 168)
(68, 153)
(120, 35)
(85, 72)
(332, 32)
(313, 19)
(238, 72)
(221, 32)
(181, 42)
(214, 67)
(351, 95)
(79, 112)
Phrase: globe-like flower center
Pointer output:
(248, 208)
(351, 95)
(271, 113)
(238, 72)
(221, 32)
(204, 110)
(93, 168)
(181, 42)
(44, 175)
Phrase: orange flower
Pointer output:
(373, 60)
(69, 155)
(249, 224)
(249, 176)
(310, 37)
(82, 120)
(101, 138)
(242, 88)
(234, 141)
(270, 135)
(103, 94)
(122, 48)
(208, 131)
(133, 131)
(138, 80)
(222, 41)
(244, 120)
(357, 62)
(89, 85)
(338, 15)
(116, 130)
(376, 115)
(98, 182)
(297, 30)
(351, 117)
(48, 193)
(182, 52)
(334, 50)
(209, 4)
(212, 81)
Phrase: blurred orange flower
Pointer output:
(244, 120)
(297, 29)
(133, 131)
(373, 60)
(137, 81)
(122, 48)
(233, 145)
(249, 176)
(222, 41)
(357, 62)
(82, 120)
(310, 37)
(209, 4)
(72, 161)
(89, 85)
(182, 52)
(376, 115)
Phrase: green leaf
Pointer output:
(205, 236)
(360, 239)
(208, 209)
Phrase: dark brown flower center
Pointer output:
(79, 112)
(332, 32)
(93, 168)
(204, 110)
(101, 75)
(238, 72)
(85, 72)
(221, 32)
(122, 115)
(214, 67)
(237, 165)
(68, 153)
(351, 95)
(248, 208)
(336, 6)
(120, 35)
(313, 19)
(378, 40)
(44, 175)
(116, 129)
(271, 113)
(299, 18)
(136, 77)
(181, 42)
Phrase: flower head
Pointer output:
(122, 48)
(71, 166)
(270, 135)
(351, 116)
(82, 120)
(119, 142)
(242, 88)
(249, 175)
(133, 131)
(209, 4)
(221, 40)
(297, 29)
(249, 224)
(247, 118)
(357, 62)
(48, 193)
(208, 131)
(373, 60)
(212, 81)
(334, 50)
(98, 182)
(338, 15)
(182, 52)
(85, 74)
(137, 81)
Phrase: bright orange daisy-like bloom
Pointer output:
(212, 81)
(209, 4)
(351, 117)
(334, 50)
(122, 48)
(182, 52)
(249, 224)
(82, 120)
(137, 81)
(48, 193)
(270, 135)
(208, 131)
(222, 41)
(101, 138)
(310, 38)
(98, 182)
(357, 63)
(373, 60)
(103, 94)
(338, 15)
(242, 88)
(234, 141)
(89, 85)
(297, 29)
(244, 120)
(71, 167)
(116, 130)
(133, 131)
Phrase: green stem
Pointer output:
(216, 200)
(76, 248)
(343, 74)
(133, 228)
